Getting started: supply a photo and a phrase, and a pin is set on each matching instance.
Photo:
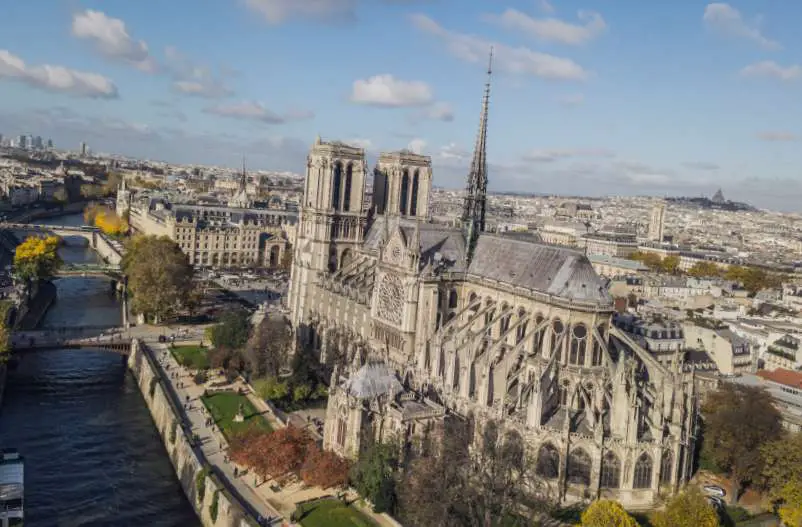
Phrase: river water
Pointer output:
(92, 454)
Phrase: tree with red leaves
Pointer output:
(275, 454)
(324, 469)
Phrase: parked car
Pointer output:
(714, 490)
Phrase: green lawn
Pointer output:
(224, 405)
(332, 513)
(194, 357)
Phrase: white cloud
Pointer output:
(549, 156)
(56, 78)
(111, 38)
(278, 11)
(552, 29)
(769, 68)
(520, 60)
(571, 99)
(438, 111)
(417, 145)
(726, 19)
(777, 136)
(386, 90)
(190, 78)
(255, 111)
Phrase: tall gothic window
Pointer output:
(548, 462)
(402, 207)
(413, 205)
(349, 172)
(666, 466)
(579, 467)
(520, 332)
(336, 183)
(578, 344)
(455, 384)
(610, 471)
(452, 299)
(643, 472)
(341, 429)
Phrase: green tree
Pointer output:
(729, 444)
(373, 476)
(687, 509)
(670, 264)
(705, 270)
(607, 513)
(159, 276)
(232, 331)
(782, 462)
(791, 509)
(271, 389)
(37, 258)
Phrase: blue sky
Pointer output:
(589, 97)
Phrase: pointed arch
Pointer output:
(404, 197)
(349, 173)
(336, 183)
(579, 465)
(455, 381)
(548, 461)
(642, 478)
(610, 471)
(413, 204)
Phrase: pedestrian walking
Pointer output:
(236, 472)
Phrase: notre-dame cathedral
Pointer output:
(421, 320)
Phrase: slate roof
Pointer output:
(552, 270)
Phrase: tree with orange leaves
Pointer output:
(324, 469)
(275, 454)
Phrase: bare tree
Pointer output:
(268, 347)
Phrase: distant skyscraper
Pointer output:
(49, 144)
(657, 222)
(84, 149)
(1, 139)
(37, 143)
(22, 142)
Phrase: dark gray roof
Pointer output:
(552, 270)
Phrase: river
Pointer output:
(92, 454)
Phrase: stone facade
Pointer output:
(518, 332)
(214, 236)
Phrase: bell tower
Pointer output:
(402, 183)
(332, 223)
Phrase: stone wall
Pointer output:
(188, 461)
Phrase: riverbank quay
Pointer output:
(216, 499)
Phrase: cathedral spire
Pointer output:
(243, 177)
(474, 206)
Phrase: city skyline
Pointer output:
(588, 97)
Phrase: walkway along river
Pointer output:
(92, 454)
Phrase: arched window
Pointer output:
(332, 260)
(521, 331)
(666, 467)
(473, 303)
(643, 472)
(349, 172)
(472, 381)
(439, 320)
(402, 206)
(537, 341)
(413, 205)
(336, 183)
(548, 462)
(505, 323)
(578, 344)
(345, 258)
(274, 256)
(610, 471)
(452, 299)
(579, 467)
